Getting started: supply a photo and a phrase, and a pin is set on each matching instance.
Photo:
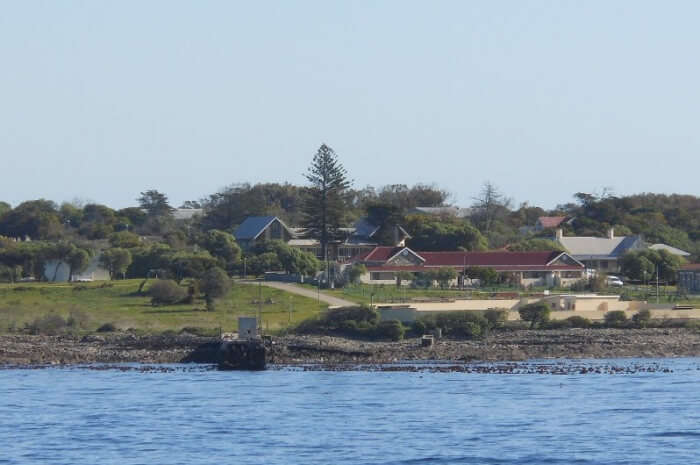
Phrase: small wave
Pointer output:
(676, 434)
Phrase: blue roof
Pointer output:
(253, 226)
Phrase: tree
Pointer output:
(155, 203)
(214, 283)
(489, 206)
(486, 276)
(536, 313)
(77, 260)
(37, 219)
(223, 247)
(323, 206)
(444, 275)
(116, 260)
(4, 208)
(402, 276)
(430, 234)
(355, 272)
(536, 244)
(636, 266)
(124, 240)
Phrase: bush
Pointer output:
(418, 328)
(107, 328)
(558, 324)
(199, 331)
(166, 292)
(336, 316)
(615, 319)
(642, 318)
(579, 322)
(536, 313)
(49, 325)
(464, 324)
(390, 329)
(496, 317)
(77, 319)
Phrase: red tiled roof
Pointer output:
(487, 258)
(551, 221)
(690, 267)
(377, 254)
(499, 260)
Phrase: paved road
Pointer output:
(313, 294)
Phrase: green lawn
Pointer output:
(118, 303)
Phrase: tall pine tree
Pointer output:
(323, 206)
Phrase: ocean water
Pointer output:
(192, 415)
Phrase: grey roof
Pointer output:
(253, 226)
(599, 247)
(670, 249)
(364, 228)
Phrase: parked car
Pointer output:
(614, 281)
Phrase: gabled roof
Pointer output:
(670, 249)
(599, 247)
(406, 251)
(499, 259)
(551, 221)
(253, 226)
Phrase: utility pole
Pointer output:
(657, 284)
(260, 305)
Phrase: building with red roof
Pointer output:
(547, 268)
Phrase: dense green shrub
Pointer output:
(360, 321)
(642, 318)
(537, 314)
(615, 319)
(166, 292)
(418, 327)
(389, 329)
(464, 324)
(558, 324)
(577, 321)
(496, 317)
(49, 325)
(107, 328)
(77, 319)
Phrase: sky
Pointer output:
(102, 100)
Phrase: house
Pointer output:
(524, 268)
(261, 228)
(670, 249)
(549, 222)
(361, 238)
(689, 278)
(599, 253)
(58, 271)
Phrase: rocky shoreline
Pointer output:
(28, 350)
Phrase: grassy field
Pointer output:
(119, 304)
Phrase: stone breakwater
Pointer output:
(26, 350)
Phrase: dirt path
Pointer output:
(312, 294)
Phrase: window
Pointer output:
(570, 274)
(381, 276)
(533, 274)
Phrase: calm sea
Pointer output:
(191, 416)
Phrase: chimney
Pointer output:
(558, 234)
(611, 233)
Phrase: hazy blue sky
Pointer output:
(103, 100)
